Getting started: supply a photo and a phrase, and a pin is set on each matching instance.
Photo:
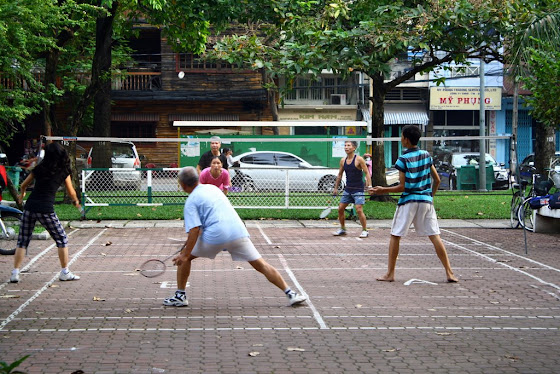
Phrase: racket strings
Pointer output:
(152, 268)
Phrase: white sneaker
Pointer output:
(68, 276)
(296, 299)
(14, 278)
(364, 234)
(179, 299)
(339, 232)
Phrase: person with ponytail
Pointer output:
(48, 175)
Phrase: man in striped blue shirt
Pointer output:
(415, 206)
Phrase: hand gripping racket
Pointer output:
(154, 268)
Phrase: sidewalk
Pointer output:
(385, 223)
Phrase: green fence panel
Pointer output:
(316, 153)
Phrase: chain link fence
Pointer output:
(251, 187)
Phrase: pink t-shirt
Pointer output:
(222, 182)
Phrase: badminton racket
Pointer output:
(328, 210)
(154, 267)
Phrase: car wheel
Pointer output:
(326, 184)
(248, 185)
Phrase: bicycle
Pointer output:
(540, 188)
(518, 190)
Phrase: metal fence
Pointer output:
(264, 188)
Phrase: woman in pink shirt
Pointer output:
(216, 175)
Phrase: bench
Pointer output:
(546, 220)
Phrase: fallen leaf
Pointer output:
(295, 349)
(443, 333)
(130, 274)
(137, 269)
(128, 311)
(503, 202)
(480, 213)
(95, 298)
(466, 197)
(54, 285)
(254, 354)
(390, 350)
(138, 214)
(154, 209)
(103, 254)
(239, 267)
(108, 244)
(514, 358)
(9, 296)
(258, 345)
(358, 305)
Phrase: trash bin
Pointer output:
(467, 177)
(13, 173)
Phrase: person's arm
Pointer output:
(24, 186)
(192, 238)
(379, 190)
(339, 177)
(436, 180)
(227, 183)
(365, 169)
(72, 192)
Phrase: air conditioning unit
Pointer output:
(338, 99)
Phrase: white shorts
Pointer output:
(239, 249)
(422, 215)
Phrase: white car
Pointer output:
(124, 156)
(269, 171)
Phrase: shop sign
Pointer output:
(464, 98)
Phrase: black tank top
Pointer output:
(354, 180)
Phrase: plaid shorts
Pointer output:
(48, 220)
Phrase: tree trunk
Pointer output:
(101, 74)
(544, 147)
(377, 131)
(51, 63)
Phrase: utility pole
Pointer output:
(482, 132)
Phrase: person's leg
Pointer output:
(393, 254)
(24, 237)
(361, 216)
(342, 215)
(51, 222)
(183, 273)
(269, 272)
(276, 278)
(442, 255)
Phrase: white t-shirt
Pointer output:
(208, 207)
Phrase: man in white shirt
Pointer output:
(213, 225)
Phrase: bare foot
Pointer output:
(452, 279)
(386, 278)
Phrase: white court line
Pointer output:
(350, 328)
(48, 284)
(503, 250)
(505, 265)
(36, 258)
(284, 263)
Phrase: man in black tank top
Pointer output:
(354, 166)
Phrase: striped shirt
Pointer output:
(415, 164)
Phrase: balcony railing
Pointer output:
(131, 81)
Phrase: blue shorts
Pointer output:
(49, 220)
(358, 197)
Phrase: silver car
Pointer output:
(124, 156)
(272, 170)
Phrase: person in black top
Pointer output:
(48, 175)
(206, 158)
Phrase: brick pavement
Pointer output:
(503, 316)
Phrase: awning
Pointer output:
(267, 123)
(405, 114)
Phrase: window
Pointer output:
(259, 159)
(190, 62)
(287, 160)
(318, 91)
(121, 129)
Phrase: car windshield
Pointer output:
(122, 151)
(471, 159)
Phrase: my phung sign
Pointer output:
(464, 98)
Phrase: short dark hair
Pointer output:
(412, 133)
(353, 142)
